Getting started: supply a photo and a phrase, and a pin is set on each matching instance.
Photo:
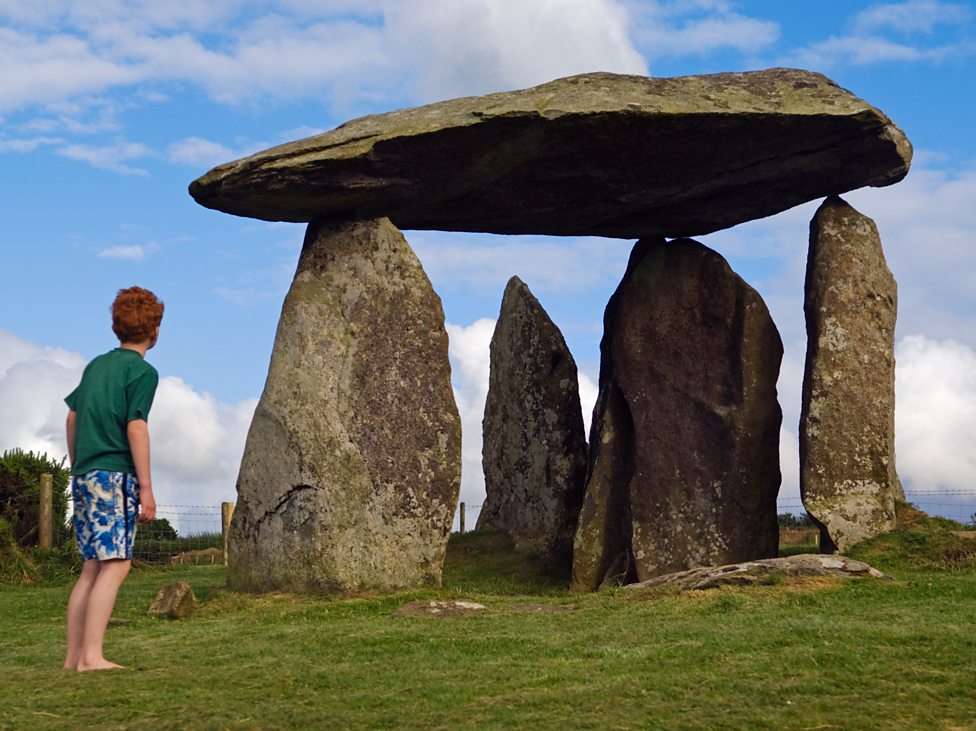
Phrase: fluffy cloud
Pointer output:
(861, 50)
(459, 262)
(199, 152)
(698, 28)
(114, 157)
(914, 16)
(468, 350)
(477, 46)
(936, 415)
(132, 252)
(867, 44)
(197, 441)
(62, 50)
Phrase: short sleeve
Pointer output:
(139, 396)
(72, 399)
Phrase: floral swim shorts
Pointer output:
(106, 505)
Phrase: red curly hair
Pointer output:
(136, 313)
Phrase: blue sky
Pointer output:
(108, 109)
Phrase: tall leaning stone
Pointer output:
(847, 424)
(534, 448)
(684, 452)
(351, 469)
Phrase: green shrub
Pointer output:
(20, 492)
(159, 528)
(789, 520)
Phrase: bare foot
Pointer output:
(97, 665)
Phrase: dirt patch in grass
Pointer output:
(440, 609)
(542, 608)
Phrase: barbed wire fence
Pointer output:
(957, 505)
(196, 534)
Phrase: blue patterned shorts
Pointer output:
(106, 505)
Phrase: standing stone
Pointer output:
(685, 442)
(847, 425)
(534, 448)
(351, 470)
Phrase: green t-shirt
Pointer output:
(117, 387)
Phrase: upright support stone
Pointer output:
(687, 417)
(534, 448)
(847, 426)
(351, 469)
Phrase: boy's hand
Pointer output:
(147, 509)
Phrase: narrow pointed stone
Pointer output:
(351, 469)
(848, 479)
(534, 448)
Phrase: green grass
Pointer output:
(823, 654)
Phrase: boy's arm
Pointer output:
(138, 433)
(69, 428)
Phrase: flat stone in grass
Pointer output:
(763, 572)
(174, 601)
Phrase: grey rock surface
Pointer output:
(351, 469)
(534, 447)
(762, 572)
(687, 422)
(848, 480)
(596, 154)
(174, 601)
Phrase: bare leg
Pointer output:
(76, 612)
(101, 600)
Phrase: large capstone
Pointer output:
(597, 154)
(534, 448)
(351, 469)
(847, 425)
(684, 451)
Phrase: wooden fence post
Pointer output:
(46, 512)
(462, 518)
(226, 514)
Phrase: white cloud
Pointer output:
(486, 262)
(197, 444)
(468, 350)
(132, 252)
(112, 157)
(478, 46)
(589, 390)
(862, 50)
(199, 152)
(935, 415)
(697, 27)
(910, 17)
(197, 441)
(27, 144)
(345, 51)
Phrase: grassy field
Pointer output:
(818, 655)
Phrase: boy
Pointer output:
(108, 446)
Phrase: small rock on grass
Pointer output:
(174, 601)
